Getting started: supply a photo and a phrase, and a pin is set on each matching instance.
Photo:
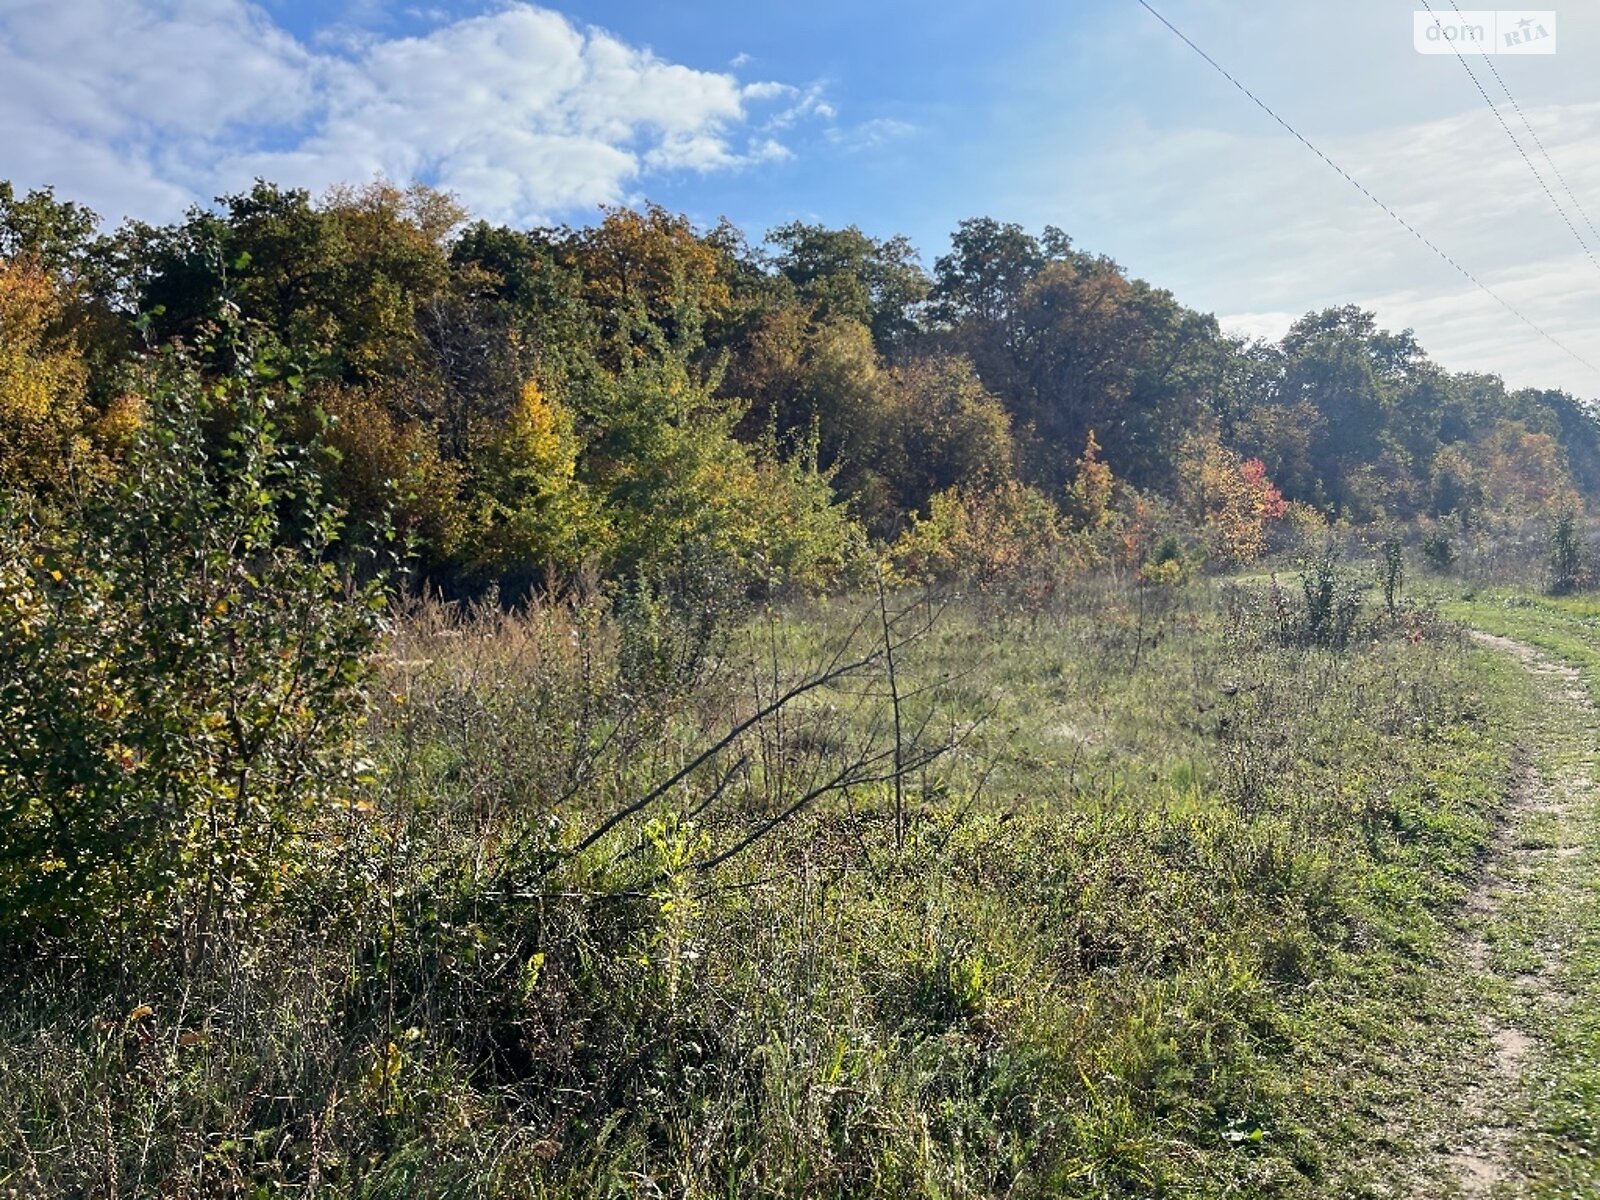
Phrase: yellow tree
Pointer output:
(42, 382)
(1090, 492)
(652, 267)
(1229, 497)
(529, 509)
(385, 469)
(1524, 473)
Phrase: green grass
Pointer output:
(1551, 923)
(1568, 628)
(1178, 915)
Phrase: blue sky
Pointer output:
(898, 117)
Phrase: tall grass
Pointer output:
(641, 907)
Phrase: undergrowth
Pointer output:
(1132, 897)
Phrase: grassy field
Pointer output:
(1146, 895)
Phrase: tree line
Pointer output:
(510, 408)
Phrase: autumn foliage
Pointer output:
(1230, 499)
(43, 381)
(521, 408)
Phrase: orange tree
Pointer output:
(1229, 497)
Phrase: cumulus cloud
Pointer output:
(138, 106)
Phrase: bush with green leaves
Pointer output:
(1439, 551)
(1391, 570)
(181, 675)
(1566, 554)
(1325, 614)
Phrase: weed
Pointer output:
(1133, 875)
(1566, 555)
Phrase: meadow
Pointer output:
(1151, 891)
(639, 709)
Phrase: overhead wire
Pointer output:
(1539, 142)
(1365, 191)
(1515, 141)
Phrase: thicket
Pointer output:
(537, 408)
(184, 668)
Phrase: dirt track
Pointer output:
(1547, 796)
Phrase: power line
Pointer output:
(1498, 116)
(1537, 141)
(1360, 187)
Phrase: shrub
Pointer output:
(1391, 570)
(1566, 554)
(1439, 552)
(1229, 497)
(1331, 603)
(1327, 609)
(1166, 564)
(180, 677)
(1093, 487)
(999, 540)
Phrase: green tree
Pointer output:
(57, 235)
(982, 279)
(846, 275)
(941, 429)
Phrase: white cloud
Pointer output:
(768, 91)
(871, 134)
(1142, 150)
(136, 106)
(1268, 326)
(1253, 226)
(806, 103)
(768, 150)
